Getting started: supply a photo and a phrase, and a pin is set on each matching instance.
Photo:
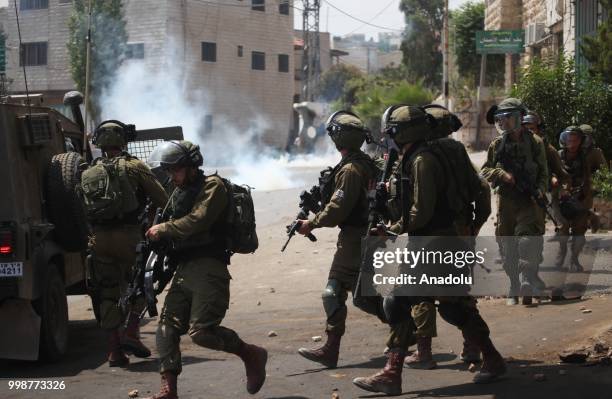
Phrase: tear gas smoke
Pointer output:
(151, 99)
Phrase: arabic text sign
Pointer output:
(500, 41)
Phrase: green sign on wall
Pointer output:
(500, 41)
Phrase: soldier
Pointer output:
(595, 157)
(517, 152)
(346, 206)
(199, 294)
(580, 162)
(426, 211)
(116, 234)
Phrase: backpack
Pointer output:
(241, 232)
(106, 191)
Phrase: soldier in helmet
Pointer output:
(199, 295)
(116, 235)
(347, 208)
(517, 151)
(580, 160)
(426, 211)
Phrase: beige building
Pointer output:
(369, 56)
(239, 53)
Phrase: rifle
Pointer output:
(524, 186)
(310, 201)
(377, 198)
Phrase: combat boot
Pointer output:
(327, 355)
(168, 387)
(422, 357)
(470, 353)
(116, 357)
(389, 379)
(255, 359)
(493, 364)
(562, 252)
(577, 246)
(594, 221)
(130, 341)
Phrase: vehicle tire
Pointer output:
(52, 307)
(64, 206)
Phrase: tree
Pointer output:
(566, 97)
(422, 39)
(334, 82)
(465, 22)
(597, 49)
(108, 43)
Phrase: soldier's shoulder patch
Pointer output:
(339, 194)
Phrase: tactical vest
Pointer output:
(209, 243)
(358, 217)
(576, 168)
(525, 160)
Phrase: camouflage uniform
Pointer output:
(517, 214)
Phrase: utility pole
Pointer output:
(311, 59)
(87, 76)
(445, 55)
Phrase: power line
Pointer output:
(360, 20)
(374, 17)
(214, 3)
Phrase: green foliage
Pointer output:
(422, 39)
(108, 43)
(377, 94)
(602, 183)
(334, 82)
(597, 49)
(465, 22)
(564, 97)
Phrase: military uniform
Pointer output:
(517, 214)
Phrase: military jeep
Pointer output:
(43, 229)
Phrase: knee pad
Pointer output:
(372, 305)
(332, 297)
(207, 338)
(453, 313)
(397, 309)
(530, 250)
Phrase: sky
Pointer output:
(384, 13)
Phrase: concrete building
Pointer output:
(241, 54)
(368, 55)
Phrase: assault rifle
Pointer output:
(377, 198)
(310, 201)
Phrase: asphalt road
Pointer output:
(281, 293)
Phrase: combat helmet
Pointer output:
(407, 124)
(113, 133)
(175, 153)
(569, 131)
(508, 115)
(347, 130)
(587, 141)
(446, 121)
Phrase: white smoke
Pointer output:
(152, 99)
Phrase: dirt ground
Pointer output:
(281, 293)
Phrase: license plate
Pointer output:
(12, 269)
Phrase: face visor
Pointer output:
(507, 121)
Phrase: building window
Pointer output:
(283, 7)
(258, 5)
(33, 54)
(134, 51)
(33, 4)
(258, 61)
(283, 63)
(65, 1)
(209, 52)
(240, 51)
(208, 124)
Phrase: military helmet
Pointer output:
(447, 122)
(407, 124)
(347, 130)
(588, 140)
(175, 153)
(567, 132)
(113, 133)
(508, 115)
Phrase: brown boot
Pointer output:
(255, 359)
(422, 357)
(130, 341)
(116, 357)
(493, 364)
(168, 387)
(389, 380)
(470, 353)
(327, 354)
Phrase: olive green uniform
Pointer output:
(517, 214)
(199, 295)
(429, 214)
(348, 209)
(114, 245)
